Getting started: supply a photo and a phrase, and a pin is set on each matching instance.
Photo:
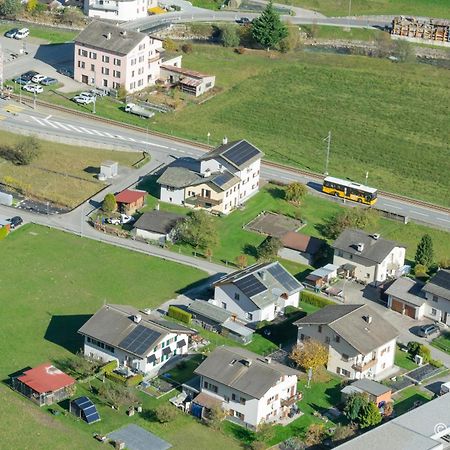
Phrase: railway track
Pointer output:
(205, 147)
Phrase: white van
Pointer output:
(445, 388)
(22, 33)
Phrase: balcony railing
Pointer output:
(361, 367)
(198, 200)
(291, 400)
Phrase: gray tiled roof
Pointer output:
(209, 311)
(179, 177)
(225, 365)
(96, 35)
(371, 387)
(272, 286)
(439, 284)
(375, 250)
(113, 323)
(161, 222)
(408, 290)
(349, 322)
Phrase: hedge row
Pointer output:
(108, 367)
(130, 381)
(179, 314)
(314, 299)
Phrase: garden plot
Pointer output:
(424, 372)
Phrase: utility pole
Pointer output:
(34, 99)
(208, 135)
(367, 176)
(328, 139)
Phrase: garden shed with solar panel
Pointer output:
(83, 408)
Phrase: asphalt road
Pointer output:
(66, 128)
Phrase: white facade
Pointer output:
(437, 308)
(150, 365)
(370, 271)
(250, 410)
(169, 194)
(118, 10)
(230, 297)
(344, 359)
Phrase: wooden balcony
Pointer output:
(204, 202)
(291, 400)
(362, 367)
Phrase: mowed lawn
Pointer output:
(427, 8)
(383, 116)
(50, 35)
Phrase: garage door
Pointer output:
(397, 306)
(410, 311)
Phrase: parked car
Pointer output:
(35, 88)
(99, 92)
(83, 100)
(126, 219)
(15, 221)
(22, 33)
(428, 330)
(20, 80)
(38, 78)
(47, 81)
(66, 72)
(89, 94)
(11, 33)
(112, 220)
(28, 75)
(243, 21)
(445, 388)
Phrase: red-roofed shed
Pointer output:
(129, 200)
(45, 384)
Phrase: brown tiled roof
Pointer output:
(301, 242)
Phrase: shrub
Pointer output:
(262, 324)
(134, 380)
(109, 203)
(292, 310)
(425, 353)
(170, 45)
(240, 50)
(187, 48)
(3, 233)
(179, 314)
(436, 363)
(229, 36)
(165, 413)
(388, 409)
(413, 347)
(108, 367)
(314, 299)
(420, 271)
(351, 218)
(268, 250)
(116, 377)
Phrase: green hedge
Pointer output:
(108, 367)
(314, 299)
(134, 380)
(179, 314)
(130, 381)
(3, 233)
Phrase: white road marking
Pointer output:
(64, 127)
(182, 151)
(132, 139)
(108, 134)
(98, 133)
(48, 117)
(161, 146)
(393, 206)
(38, 121)
(119, 136)
(74, 128)
(51, 124)
(443, 220)
(420, 214)
(86, 130)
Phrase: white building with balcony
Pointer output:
(118, 10)
(361, 343)
(137, 340)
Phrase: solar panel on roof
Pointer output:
(250, 285)
(241, 153)
(223, 178)
(139, 340)
(284, 278)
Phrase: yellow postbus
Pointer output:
(349, 190)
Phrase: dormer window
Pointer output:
(236, 296)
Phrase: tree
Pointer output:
(295, 192)
(241, 261)
(424, 252)
(354, 404)
(109, 204)
(198, 230)
(267, 29)
(383, 44)
(268, 250)
(31, 5)
(343, 433)
(170, 45)
(388, 409)
(311, 354)
(72, 16)
(293, 443)
(315, 434)
(350, 218)
(165, 413)
(228, 36)
(117, 394)
(216, 416)
(403, 51)
(291, 41)
(369, 415)
(187, 48)
(265, 432)
(10, 8)
(26, 150)
(81, 365)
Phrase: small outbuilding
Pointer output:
(377, 392)
(129, 201)
(189, 81)
(300, 247)
(83, 408)
(45, 384)
(322, 276)
(109, 169)
(156, 226)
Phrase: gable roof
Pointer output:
(161, 222)
(129, 196)
(263, 283)
(408, 290)
(371, 387)
(114, 325)
(439, 284)
(239, 154)
(374, 250)
(179, 177)
(209, 311)
(183, 71)
(242, 370)
(349, 322)
(120, 42)
(301, 242)
(46, 378)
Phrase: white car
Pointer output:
(113, 220)
(22, 33)
(88, 94)
(33, 88)
(126, 219)
(38, 78)
(82, 100)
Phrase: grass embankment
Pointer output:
(442, 342)
(427, 8)
(62, 174)
(50, 35)
(46, 297)
(404, 360)
(409, 398)
(328, 32)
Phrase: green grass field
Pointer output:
(405, 400)
(442, 342)
(286, 104)
(50, 35)
(427, 8)
(403, 360)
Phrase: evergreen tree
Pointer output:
(354, 404)
(424, 253)
(109, 203)
(10, 8)
(369, 415)
(267, 29)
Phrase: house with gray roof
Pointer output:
(250, 388)
(368, 257)
(437, 293)
(118, 10)
(376, 392)
(361, 343)
(139, 341)
(219, 181)
(259, 292)
(424, 428)
(157, 226)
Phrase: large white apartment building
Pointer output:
(118, 10)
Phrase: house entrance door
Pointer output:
(444, 317)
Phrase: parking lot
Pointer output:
(23, 55)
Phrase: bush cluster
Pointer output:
(179, 314)
(314, 299)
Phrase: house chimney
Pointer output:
(137, 318)
(225, 140)
(376, 236)
(368, 319)
(268, 359)
(108, 36)
(262, 274)
(123, 33)
(360, 247)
